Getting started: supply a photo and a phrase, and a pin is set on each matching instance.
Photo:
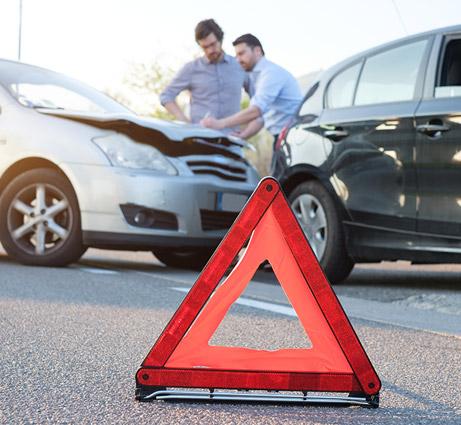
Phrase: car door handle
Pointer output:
(432, 129)
(335, 135)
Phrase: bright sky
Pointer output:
(95, 40)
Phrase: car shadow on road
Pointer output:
(407, 277)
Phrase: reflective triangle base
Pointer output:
(272, 397)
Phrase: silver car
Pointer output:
(79, 170)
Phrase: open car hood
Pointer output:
(173, 130)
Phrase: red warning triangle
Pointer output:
(336, 361)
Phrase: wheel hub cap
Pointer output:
(312, 218)
(39, 219)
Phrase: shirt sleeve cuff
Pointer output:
(260, 104)
(165, 98)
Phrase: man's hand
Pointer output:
(242, 117)
(212, 122)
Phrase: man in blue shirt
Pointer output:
(214, 80)
(275, 93)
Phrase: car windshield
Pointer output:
(35, 87)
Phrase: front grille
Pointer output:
(224, 171)
(217, 220)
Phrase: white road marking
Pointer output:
(358, 308)
(384, 313)
(403, 316)
(98, 271)
(260, 305)
(171, 278)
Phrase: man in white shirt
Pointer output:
(275, 93)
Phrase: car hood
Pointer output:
(170, 137)
(174, 130)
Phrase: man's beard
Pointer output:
(215, 57)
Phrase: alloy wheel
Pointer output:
(312, 218)
(39, 219)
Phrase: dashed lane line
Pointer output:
(260, 305)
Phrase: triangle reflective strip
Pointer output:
(267, 242)
(336, 361)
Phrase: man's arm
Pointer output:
(252, 128)
(174, 109)
(179, 83)
(242, 117)
(267, 89)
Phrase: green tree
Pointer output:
(141, 88)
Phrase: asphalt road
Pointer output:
(73, 338)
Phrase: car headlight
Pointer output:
(124, 152)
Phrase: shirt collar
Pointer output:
(260, 65)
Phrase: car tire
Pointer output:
(187, 259)
(40, 219)
(319, 218)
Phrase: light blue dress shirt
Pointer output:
(275, 92)
(215, 88)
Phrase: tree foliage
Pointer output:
(141, 88)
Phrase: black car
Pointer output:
(372, 162)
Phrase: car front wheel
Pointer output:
(319, 219)
(40, 219)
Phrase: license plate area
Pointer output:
(232, 202)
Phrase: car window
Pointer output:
(54, 97)
(341, 88)
(35, 87)
(449, 81)
(391, 76)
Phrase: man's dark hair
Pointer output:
(250, 40)
(206, 27)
